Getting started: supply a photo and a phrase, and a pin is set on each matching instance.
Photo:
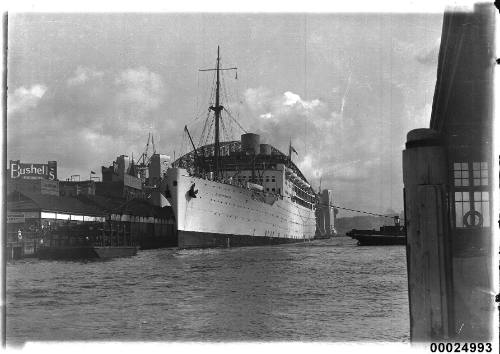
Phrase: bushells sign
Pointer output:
(33, 170)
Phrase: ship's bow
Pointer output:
(176, 179)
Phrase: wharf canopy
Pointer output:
(54, 207)
(29, 212)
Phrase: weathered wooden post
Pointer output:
(449, 184)
(428, 259)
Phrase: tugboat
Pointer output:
(386, 235)
(90, 241)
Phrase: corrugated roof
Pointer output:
(30, 201)
(106, 203)
(140, 207)
(83, 205)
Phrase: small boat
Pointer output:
(99, 241)
(385, 236)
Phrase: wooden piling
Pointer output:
(428, 260)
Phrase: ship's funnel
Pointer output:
(265, 149)
(250, 143)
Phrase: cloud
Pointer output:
(291, 99)
(97, 116)
(257, 98)
(267, 115)
(140, 87)
(24, 98)
(83, 75)
(359, 146)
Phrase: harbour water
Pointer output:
(325, 290)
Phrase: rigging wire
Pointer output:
(349, 209)
(226, 97)
(209, 133)
(225, 135)
(204, 128)
(358, 211)
(235, 120)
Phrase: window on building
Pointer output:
(274, 179)
(465, 215)
(482, 205)
(273, 190)
(45, 215)
(461, 174)
(267, 178)
(480, 173)
(462, 206)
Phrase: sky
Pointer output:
(345, 88)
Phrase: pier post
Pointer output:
(428, 261)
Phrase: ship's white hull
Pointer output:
(223, 215)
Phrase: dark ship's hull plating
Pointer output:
(191, 239)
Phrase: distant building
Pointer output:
(157, 168)
(120, 180)
(39, 186)
(76, 188)
(326, 214)
(37, 202)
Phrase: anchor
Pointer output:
(167, 193)
(192, 192)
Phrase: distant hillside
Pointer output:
(368, 222)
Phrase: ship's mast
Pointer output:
(217, 109)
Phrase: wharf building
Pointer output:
(37, 202)
(326, 215)
(450, 181)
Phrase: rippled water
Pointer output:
(329, 290)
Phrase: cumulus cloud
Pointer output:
(24, 98)
(83, 75)
(292, 99)
(140, 87)
(257, 97)
(346, 145)
(97, 116)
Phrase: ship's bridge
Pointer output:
(234, 156)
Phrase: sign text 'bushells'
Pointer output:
(33, 170)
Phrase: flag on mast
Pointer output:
(291, 149)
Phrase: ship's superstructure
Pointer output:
(239, 193)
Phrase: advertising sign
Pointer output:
(15, 218)
(33, 170)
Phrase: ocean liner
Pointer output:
(239, 193)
